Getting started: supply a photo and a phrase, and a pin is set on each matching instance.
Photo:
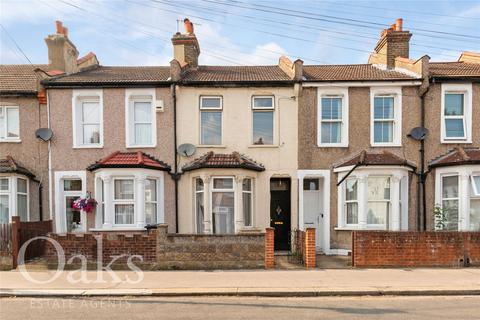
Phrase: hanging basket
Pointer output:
(86, 203)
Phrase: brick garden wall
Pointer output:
(415, 249)
(161, 250)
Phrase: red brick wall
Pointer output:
(112, 245)
(309, 254)
(269, 248)
(415, 249)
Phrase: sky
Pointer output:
(237, 32)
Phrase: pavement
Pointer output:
(275, 283)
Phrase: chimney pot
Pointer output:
(65, 32)
(399, 24)
(59, 27)
(188, 26)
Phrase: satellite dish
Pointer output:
(44, 134)
(186, 150)
(418, 133)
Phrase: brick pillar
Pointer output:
(15, 239)
(269, 248)
(310, 250)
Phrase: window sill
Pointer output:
(11, 141)
(386, 145)
(140, 146)
(211, 146)
(264, 146)
(333, 145)
(93, 146)
(456, 141)
(113, 229)
(354, 228)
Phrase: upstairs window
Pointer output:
(263, 120)
(87, 117)
(456, 114)
(386, 115)
(141, 118)
(332, 122)
(9, 124)
(211, 120)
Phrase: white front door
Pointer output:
(313, 207)
(75, 220)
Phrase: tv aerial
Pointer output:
(186, 150)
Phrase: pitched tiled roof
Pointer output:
(129, 160)
(9, 165)
(385, 158)
(113, 76)
(457, 156)
(454, 69)
(218, 160)
(235, 74)
(19, 78)
(352, 72)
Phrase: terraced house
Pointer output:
(236, 149)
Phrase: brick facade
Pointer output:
(309, 250)
(415, 249)
(269, 248)
(161, 250)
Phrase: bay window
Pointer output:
(457, 193)
(375, 199)
(263, 120)
(9, 123)
(14, 197)
(87, 118)
(386, 116)
(151, 201)
(140, 118)
(211, 120)
(456, 113)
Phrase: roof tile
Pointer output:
(19, 78)
(9, 165)
(457, 156)
(351, 72)
(129, 160)
(219, 160)
(384, 158)
(454, 69)
(235, 74)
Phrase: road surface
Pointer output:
(212, 308)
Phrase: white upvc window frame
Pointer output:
(333, 93)
(466, 90)
(475, 188)
(79, 96)
(4, 118)
(156, 201)
(199, 225)
(264, 109)
(139, 95)
(12, 193)
(396, 94)
(398, 212)
(251, 193)
(464, 173)
(381, 226)
(213, 190)
(210, 109)
(139, 177)
(346, 202)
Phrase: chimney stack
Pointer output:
(62, 53)
(393, 43)
(185, 46)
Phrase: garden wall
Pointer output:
(415, 249)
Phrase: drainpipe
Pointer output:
(421, 192)
(175, 175)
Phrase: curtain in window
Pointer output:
(211, 127)
(352, 201)
(247, 202)
(199, 204)
(450, 202)
(331, 131)
(142, 123)
(91, 122)
(4, 209)
(124, 213)
(151, 201)
(378, 200)
(223, 212)
(123, 189)
(13, 123)
(22, 206)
